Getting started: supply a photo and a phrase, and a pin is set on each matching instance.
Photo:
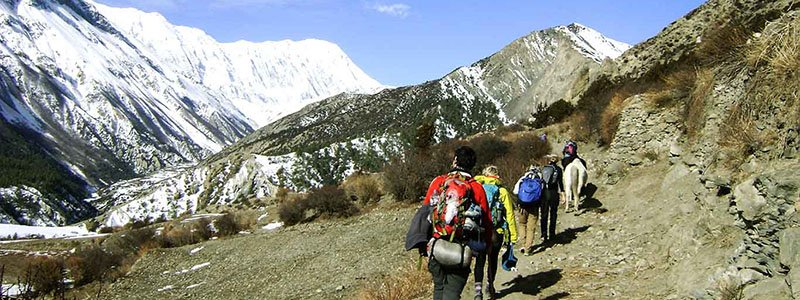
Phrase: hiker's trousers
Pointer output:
(448, 283)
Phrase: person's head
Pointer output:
(465, 158)
(490, 171)
(552, 158)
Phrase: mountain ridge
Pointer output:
(531, 72)
(106, 107)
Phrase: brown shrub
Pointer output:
(44, 275)
(610, 116)
(364, 187)
(226, 225)
(330, 200)
(282, 194)
(408, 177)
(232, 223)
(292, 211)
(554, 113)
(407, 283)
(91, 263)
(176, 235)
(511, 128)
(488, 148)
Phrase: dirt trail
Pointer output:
(629, 241)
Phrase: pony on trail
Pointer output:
(575, 179)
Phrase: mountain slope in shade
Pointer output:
(104, 105)
(347, 130)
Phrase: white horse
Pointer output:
(575, 179)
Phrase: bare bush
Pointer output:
(331, 201)
(292, 211)
(91, 263)
(364, 187)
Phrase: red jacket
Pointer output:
(480, 199)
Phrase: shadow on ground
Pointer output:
(590, 203)
(532, 284)
(563, 238)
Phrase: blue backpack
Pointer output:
(530, 190)
(495, 205)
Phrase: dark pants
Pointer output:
(549, 211)
(447, 282)
(480, 261)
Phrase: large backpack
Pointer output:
(530, 190)
(550, 176)
(495, 205)
(450, 201)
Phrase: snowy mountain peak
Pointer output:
(263, 80)
(592, 43)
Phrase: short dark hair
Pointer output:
(465, 157)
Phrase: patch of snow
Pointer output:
(262, 217)
(23, 231)
(273, 225)
(195, 250)
(166, 288)
(12, 290)
(193, 268)
(195, 285)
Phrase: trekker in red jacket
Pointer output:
(449, 281)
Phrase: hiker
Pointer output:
(570, 153)
(505, 228)
(554, 189)
(529, 203)
(460, 216)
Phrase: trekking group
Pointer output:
(465, 217)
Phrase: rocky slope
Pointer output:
(358, 132)
(102, 94)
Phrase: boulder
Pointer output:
(675, 150)
(748, 200)
(793, 278)
(772, 288)
(790, 247)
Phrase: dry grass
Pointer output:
(772, 101)
(730, 289)
(407, 283)
(694, 112)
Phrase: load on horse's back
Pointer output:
(575, 179)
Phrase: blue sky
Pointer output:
(408, 42)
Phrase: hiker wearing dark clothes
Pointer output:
(552, 176)
(461, 221)
(570, 153)
(505, 229)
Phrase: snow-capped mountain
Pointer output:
(592, 43)
(531, 72)
(104, 94)
(264, 80)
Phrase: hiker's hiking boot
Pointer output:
(490, 292)
(478, 297)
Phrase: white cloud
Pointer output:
(398, 9)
